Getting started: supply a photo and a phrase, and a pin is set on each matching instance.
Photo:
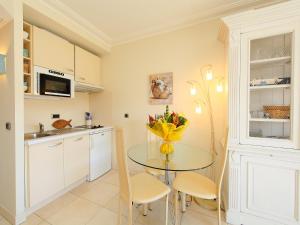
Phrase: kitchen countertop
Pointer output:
(64, 133)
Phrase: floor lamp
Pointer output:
(201, 91)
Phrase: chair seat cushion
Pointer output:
(146, 188)
(196, 185)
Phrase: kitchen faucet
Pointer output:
(42, 128)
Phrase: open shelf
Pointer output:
(270, 86)
(27, 67)
(269, 120)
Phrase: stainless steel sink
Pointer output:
(37, 135)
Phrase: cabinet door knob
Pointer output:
(79, 139)
(53, 146)
(71, 70)
(81, 78)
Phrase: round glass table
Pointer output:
(184, 158)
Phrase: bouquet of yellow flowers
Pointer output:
(169, 127)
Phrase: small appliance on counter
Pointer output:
(88, 119)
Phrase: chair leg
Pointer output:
(150, 206)
(120, 212)
(145, 209)
(183, 202)
(176, 207)
(130, 214)
(167, 208)
(219, 211)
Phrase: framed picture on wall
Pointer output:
(161, 89)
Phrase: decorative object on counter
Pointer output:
(169, 127)
(277, 111)
(2, 64)
(60, 124)
(88, 119)
(161, 89)
(275, 81)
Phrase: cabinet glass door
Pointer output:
(270, 83)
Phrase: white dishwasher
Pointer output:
(100, 152)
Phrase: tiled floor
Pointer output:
(96, 203)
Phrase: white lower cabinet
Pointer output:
(269, 188)
(55, 165)
(76, 158)
(263, 188)
(45, 170)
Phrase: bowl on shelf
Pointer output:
(277, 111)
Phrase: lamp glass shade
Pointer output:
(219, 87)
(198, 109)
(2, 64)
(209, 74)
(193, 90)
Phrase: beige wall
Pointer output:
(183, 52)
(40, 111)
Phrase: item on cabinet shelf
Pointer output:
(25, 86)
(277, 111)
(60, 124)
(25, 52)
(25, 35)
(275, 81)
(256, 133)
(26, 67)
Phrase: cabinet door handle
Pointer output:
(53, 146)
(79, 139)
(71, 70)
(81, 78)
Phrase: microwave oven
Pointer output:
(50, 82)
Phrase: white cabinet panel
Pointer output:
(270, 188)
(87, 67)
(76, 158)
(100, 154)
(53, 52)
(45, 170)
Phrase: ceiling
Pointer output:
(123, 21)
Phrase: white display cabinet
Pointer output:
(264, 117)
(269, 94)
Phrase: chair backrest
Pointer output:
(124, 178)
(223, 162)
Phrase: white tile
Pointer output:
(111, 178)
(101, 193)
(44, 223)
(56, 205)
(191, 217)
(4, 222)
(32, 220)
(78, 212)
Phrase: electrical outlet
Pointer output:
(55, 116)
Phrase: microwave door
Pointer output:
(54, 86)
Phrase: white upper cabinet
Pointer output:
(87, 67)
(269, 88)
(53, 52)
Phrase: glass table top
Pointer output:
(184, 157)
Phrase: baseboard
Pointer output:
(29, 211)
(238, 218)
(14, 220)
